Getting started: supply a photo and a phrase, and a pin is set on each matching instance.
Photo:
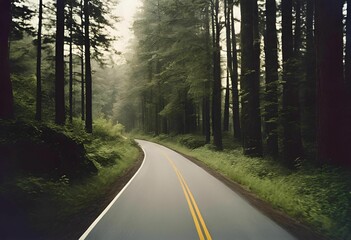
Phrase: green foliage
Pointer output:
(50, 201)
(191, 141)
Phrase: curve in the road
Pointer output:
(172, 198)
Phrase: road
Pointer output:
(172, 198)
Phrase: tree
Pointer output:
(59, 65)
(250, 113)
(227, 14)
(308, 87)
(39, 87)
(348, 49)
(6, 97)
(333, 145)
(292, 146)
(271, 96)
(217, 86)
(235, 79)
(88, 77)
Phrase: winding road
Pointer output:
(172, 198)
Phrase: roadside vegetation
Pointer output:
(319, 197)
(48, 202)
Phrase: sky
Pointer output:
(125, 10)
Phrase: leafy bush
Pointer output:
(191, 141)
(106, 129)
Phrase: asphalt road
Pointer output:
(172, 198)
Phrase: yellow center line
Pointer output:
(192, 204)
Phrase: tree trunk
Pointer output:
(71, 63)
(251, 120)
(88, 77)
(226, 106)
(207, 92)
(292, 146)
(82, 63)
(217, 86)
(271, 58)
(59, 70)
(309, 87)
(348, 50)
(6, 96)
(234, 80)
(229, 66)
(333, 142)
(38, 112)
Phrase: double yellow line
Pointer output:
(194, 209)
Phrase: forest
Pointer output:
(260, 80)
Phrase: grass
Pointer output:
(320, 197)
(51, 203)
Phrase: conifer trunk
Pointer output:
(88, 77)
(271, 60)
(235, 80)
(38, 112)
(251, 122)
(292, 146)
(59, 63)
(333, 145)
(217, 86)
(6, 95)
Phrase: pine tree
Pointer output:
(271, 60)
(251, 122)
(6, 97)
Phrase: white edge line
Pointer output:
(86, 233)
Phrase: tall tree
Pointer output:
(235, 78)
(251, 121)
(39, 94)
(59, 64)
(292, 146)
(271, 96)
(217, 85)
(88, 77)
(206, 105)
(82, 61)
(229, 65)
(348, 49)
(308, 107)
(333, 145)
(6, 97)
(70, 28)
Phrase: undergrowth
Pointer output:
(320, 197)
(51, 203)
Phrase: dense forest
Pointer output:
(271, 78)
(273, 74)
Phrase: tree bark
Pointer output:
(271, 60)
(292, 146)
(333, 141)
(308, 108)
(235, 80)
(348, 50)
(6, 95)
(207, 92)
(251, 122)
(229, 66)
(88, 77)
(71, 62)
(38, 113)
(217, 86)
(59, 69)
(82, 63)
